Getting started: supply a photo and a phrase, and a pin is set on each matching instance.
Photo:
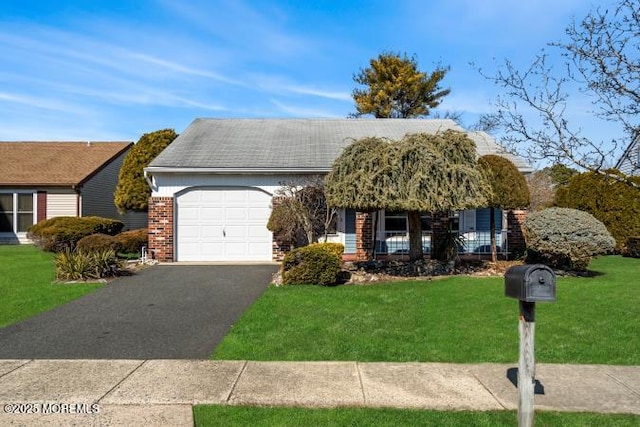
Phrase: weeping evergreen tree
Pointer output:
(420, 173)
(509, 190)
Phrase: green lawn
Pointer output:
(27, 284)
(457, 319)
(212, 415)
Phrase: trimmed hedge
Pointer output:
(132, 241)
(61, 233)
(614, 203)
(316, 264)
(565, 238)
(97, 242)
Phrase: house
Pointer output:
(629, 162)
(42, 180)
(212, 188)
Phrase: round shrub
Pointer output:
(97, 242)
(334, 248)
(61, 233)
(565, 238)
(311, 265)
(132, 241)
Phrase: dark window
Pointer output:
(6, 212)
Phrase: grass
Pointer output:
(457, 319)
(212, 415)
(27, 284)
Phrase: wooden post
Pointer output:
(526, 364)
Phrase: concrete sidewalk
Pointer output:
(161, 392)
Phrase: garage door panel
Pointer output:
(210, 214)
(212, 232)
(258, 213)
(223, 224)
(236, 232)
(188, 213)
(237, 214)
(239, 197)
(211, 197)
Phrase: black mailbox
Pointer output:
(530, 283)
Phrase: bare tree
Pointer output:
(301, 214)
(601, 57)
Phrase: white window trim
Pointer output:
(34, 212)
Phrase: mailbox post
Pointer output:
(528, 284)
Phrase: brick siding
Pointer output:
(364, 236)
(517, 245)
(161, 228)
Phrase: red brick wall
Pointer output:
(364, 236)
(41, 214)
(279, 244)
(161, 228)
(517, 245)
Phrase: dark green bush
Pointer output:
(614, 203)
(311, 265)
(81, 265)
(633, 247)
(60, 233)
(565, 238)
(97, 242)
(131, 242)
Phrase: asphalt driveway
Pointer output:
(164, 312)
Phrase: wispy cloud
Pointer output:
(302, 111)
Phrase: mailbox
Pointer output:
(530, 283)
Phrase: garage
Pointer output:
(223, 224)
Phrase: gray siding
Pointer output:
(630, 162)
(97, 196)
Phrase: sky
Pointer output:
(114, 70)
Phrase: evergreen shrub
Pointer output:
(633, 247)
(60, 233)
(614, 203)
(132, 241)
(97, 242)
(565, 238)
(311, 265)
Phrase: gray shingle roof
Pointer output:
(290, 144)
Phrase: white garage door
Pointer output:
(223, 225)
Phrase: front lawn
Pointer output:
(27, 284)
(212, 415)
(456, 319)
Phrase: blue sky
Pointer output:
(113, 70)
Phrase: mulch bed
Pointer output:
(384, 271)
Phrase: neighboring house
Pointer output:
(629, 162)
(212, 188)
(42, 180)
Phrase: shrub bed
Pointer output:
(62, 233)
(316, 264)
(81, 265)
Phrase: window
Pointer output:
(395, 239)
(16, 212)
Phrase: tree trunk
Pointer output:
(492, 231)
(415, 235)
